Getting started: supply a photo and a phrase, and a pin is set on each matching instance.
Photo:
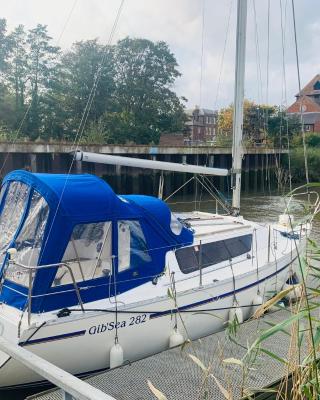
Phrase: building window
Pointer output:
(316, 86)
(308, 128)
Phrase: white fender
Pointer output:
(256, 302)
(175, 338)
(236, 313)
(116, 355)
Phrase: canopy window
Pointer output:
(71, 223)
(189, 258)
(14, 196)
(89, 253)
(132, 245)
(30, 239)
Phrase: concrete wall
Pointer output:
(56, 158)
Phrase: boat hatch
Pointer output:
(93, 237)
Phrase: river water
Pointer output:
(254, 206)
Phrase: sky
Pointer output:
(201, 34)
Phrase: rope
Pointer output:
(284, 90)
(223, 54)
(179, 188)
(267, 66)
(67, 20)
(301, 97)
(259, 76)
(161, 311)
(201, 58)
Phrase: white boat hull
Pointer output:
(81, 343)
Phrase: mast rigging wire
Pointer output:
(202, 51)
(284, 86)
(301, 96)
(15, 138)
(82, 123)
(223, 54)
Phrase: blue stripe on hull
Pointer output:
(212, 299)
(162, 313)
(53, 338)
(155, 315)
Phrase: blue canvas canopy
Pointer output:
(56, 209)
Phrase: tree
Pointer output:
(4, 45)
(260, 122)
(42, 62)
(6, 101)
(144, 75)
(17, 75)
(124, 91)
(79, 69)
(280, 126)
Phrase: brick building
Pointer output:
(308, 101)
(201, 125)
(172, 139)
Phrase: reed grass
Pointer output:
(301, 380)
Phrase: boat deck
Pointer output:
(178, 377)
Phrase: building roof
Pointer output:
(200, 111)
(312, 88)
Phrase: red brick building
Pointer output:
(308, 102)
(202, 125)
(172, 139)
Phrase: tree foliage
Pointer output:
(260, 123)
(132, 83)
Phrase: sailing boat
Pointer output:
(91, 279)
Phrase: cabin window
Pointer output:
(189, 258)
(29, 241)
(132, 245)
(11, 214)
(89, 253)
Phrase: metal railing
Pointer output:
(32, 269)
(71, 386)
(314, 204)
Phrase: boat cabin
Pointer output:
(76, 222)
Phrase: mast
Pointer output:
(237, 150)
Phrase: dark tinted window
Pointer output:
(189, 258)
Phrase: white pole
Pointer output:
(73, 386)
(141, 163)
(237, 149)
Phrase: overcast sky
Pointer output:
(180, 24)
